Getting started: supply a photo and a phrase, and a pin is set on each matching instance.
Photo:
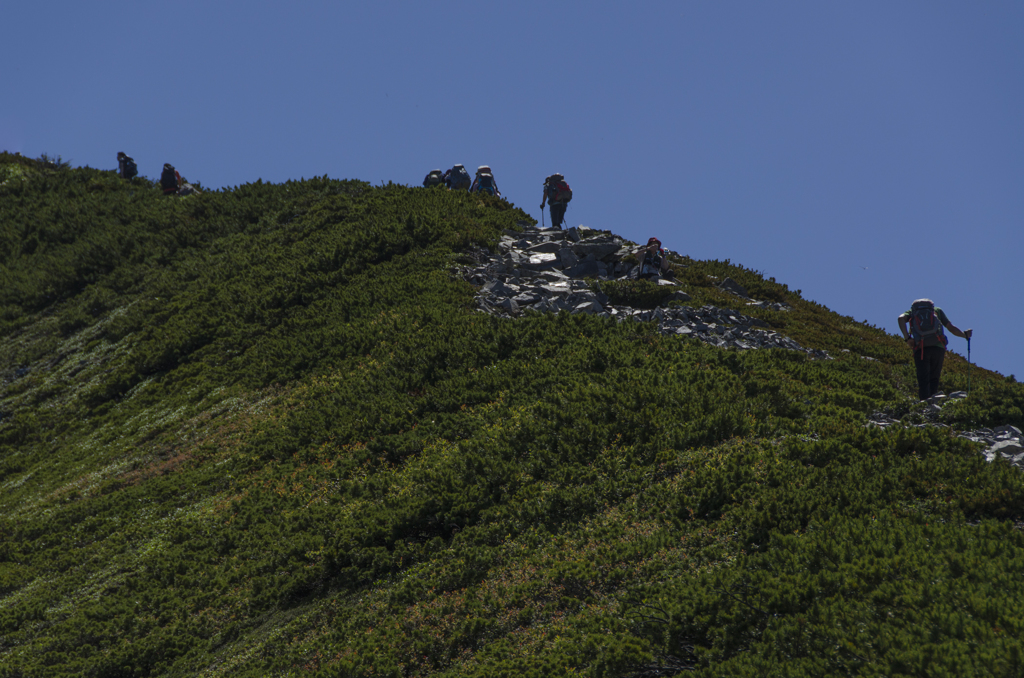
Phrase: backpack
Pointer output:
(485, 182)
(650, 264)
(925, 325)
(460, 177)
(131, 170)
(169, 179)
(557, 190)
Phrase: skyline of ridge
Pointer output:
(866, 155)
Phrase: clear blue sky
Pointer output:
(867, 153)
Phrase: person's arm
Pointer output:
(903, 328)
(963, 334)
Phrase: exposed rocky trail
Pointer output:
(547, 271)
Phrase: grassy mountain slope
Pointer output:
(261, 431)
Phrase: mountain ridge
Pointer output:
(264, 430)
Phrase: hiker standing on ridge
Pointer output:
(458, 179)
(433, 178)
(559, 194)
(170, 180)
(126, 167)
(928, 342)
(484, 182)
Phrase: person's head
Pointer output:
(655, 242)
(483, 169)
(121, 155)
(168, 166)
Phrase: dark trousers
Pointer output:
(557, 214)
(929, 367)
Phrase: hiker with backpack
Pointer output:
(484, 182)
(928, 342)
(558, 193)
(126, 167)
(458, 179)
(433, 178)
(170, 180)
(653, 262)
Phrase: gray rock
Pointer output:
(552, 276)
(556, 289)
(527, 298)
(1007, 447)
(598, 250)
(497, 287)
(547, 247)
(584, 269)
(588, 307)
(730, 285)
(509, 305)
(567, 257)
(544, 260)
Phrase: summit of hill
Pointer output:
(327, 428)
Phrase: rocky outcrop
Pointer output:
(547, 271)
(1001, 442)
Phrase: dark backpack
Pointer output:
(460, 178)
(557, 190)
(131, 170)
(433, 179)
(925, 325)
(650, 264)
(169, 179)
(485, 183)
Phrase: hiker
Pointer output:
(653, 262)
(484, 182)
(928, 342)
(126, 167)
(170, 180)
(458, 178)
(559, 194)
(434, 178)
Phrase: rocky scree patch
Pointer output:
(547, 271)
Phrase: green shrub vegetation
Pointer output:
(262, 431)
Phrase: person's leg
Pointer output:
(935, 358)
(557, 215)
(922, 365)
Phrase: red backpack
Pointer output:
(557, 189)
